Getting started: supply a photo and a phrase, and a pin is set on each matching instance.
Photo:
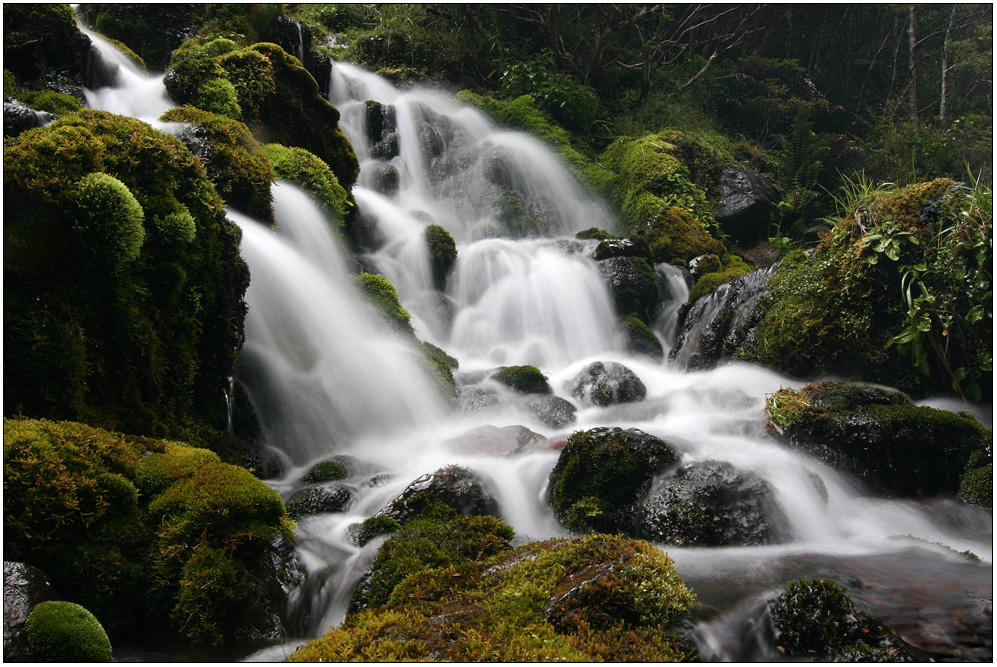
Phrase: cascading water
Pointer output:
(326, 376)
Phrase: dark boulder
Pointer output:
(602, 476)
(319, 500)
(633, 285)
(24, 587)
(448, 492)
(607, 383)
(746, 200)
(712, 504)
(18, 117)
(632, 247)
(553, 411)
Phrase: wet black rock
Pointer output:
(712, 504)
(607, 383)
(24, 587)
(18, 117)
(746, 199)
(450, 490)
(553, 411)
(633, 285)
(319, 500)
(608, 248)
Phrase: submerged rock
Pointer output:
(879, 435)
(712, 504)
(607, 383)
(601, 477)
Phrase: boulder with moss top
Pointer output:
(606, 383)
(603, 475)
(879, 435)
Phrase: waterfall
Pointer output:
(326, 375)
(129, 91)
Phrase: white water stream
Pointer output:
(327, 377)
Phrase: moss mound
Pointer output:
(881, 436)
(676, 237)
(123, 294)
(459, 593)
(315, 176)
(268, 90)
(66, 632)
(442, 254)
(145, 533)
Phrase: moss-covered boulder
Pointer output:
(606, 383)
(639, 338)
(61, 631)
(448, 492)
(150, 535)
(898, 293)
(815, 619)
(310, 172)
(459, 592)
(524, 379)
(603, 475)
(710, 503)
(881, 436)
(442, 254)
(380, 292)
(275, 97)
(633, 285)
(235, 162)
(676, 237)
(123, 284)
(324, 471)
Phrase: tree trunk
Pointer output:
(912, 86)
(945, 65)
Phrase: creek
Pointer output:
(326, 375)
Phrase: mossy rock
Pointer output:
(380, 292)
(594, 234)
(42, 40)
(639, 338)
(440, 366)
(553, 411)
(458, 592)
(66, 632)
(324, 471)
(375, 526)
(442, 254)
(459, 541)
(675, 236)
(315, 176)
(816, 619)
(711, 275)
(235, 161)
(436, 498)
(601, 477)
(140, 332)
(72, 507)
(881, 436)
(524, 379)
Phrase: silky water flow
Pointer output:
(327, 376)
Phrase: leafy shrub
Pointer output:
(108, 219)
(66, 632)
(571, 104)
